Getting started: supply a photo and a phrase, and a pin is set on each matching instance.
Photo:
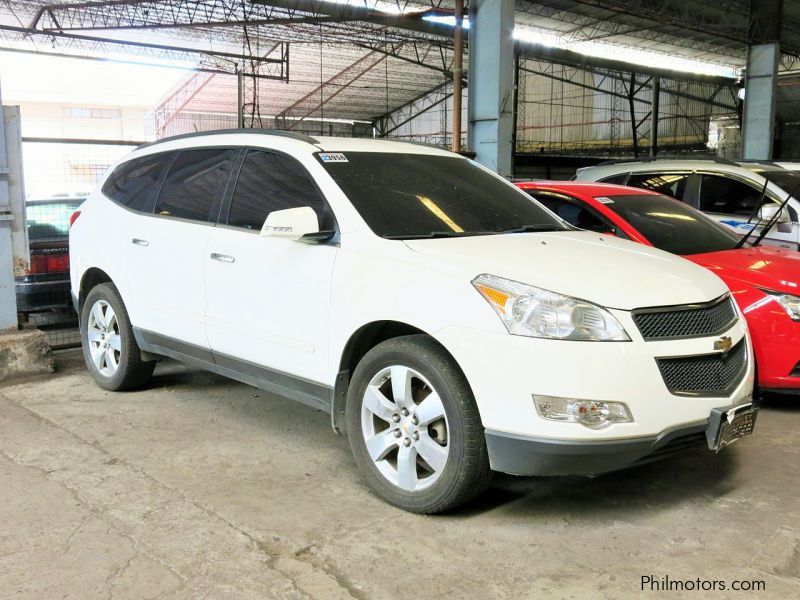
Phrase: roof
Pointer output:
(664, 165)
(243, 137)
(588, 188)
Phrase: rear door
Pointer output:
(166, 250)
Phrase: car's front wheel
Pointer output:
(109, 347)
(414, 428)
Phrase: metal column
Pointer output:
(763, 55)
(239, 98)
(654, 108)
(458, 49)
(491, 87)
(13, 235)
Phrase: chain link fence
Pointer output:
(58, 177)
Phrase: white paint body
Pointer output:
(292, 307)
(746, 173)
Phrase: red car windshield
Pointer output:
(671, 225)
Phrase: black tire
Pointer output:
(132, 371)
(466, 472)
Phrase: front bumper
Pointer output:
(505, 372)
(519, 455)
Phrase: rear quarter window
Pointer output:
(133, 184)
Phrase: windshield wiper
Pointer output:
(538, 228)
(755, 214)
(434, 234)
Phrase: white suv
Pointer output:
(728, 191)
(449, 324)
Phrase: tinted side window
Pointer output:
(194, 183)
(574, 214)
(618, 179)
(670, 184)
(268, 182)
(133, 183)
(720, 194)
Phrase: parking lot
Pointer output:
(198, 486)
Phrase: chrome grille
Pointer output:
(686, 321)
(705, 375)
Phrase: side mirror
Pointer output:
(291, 223)
(768, 212)
(784, 222)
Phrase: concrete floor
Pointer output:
(201, 487)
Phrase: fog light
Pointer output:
(593, 414)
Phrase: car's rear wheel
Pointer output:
(109, 346)
(414, 428)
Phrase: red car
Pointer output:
(765, 281)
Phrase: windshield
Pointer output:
(788, 181)
(47, 220)
(672, 226)
(407, 196)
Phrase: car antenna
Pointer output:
(776, 216)
(756, 213)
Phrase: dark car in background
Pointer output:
(46, 286)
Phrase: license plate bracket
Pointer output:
(728, 426)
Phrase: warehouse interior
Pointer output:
(199, 486)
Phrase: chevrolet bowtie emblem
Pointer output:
(724, 343)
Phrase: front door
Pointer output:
(735, 203)
(268, 298)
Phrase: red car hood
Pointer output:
(763, 266)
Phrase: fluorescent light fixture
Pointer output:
(629, 54)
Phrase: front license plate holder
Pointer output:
(728, 426)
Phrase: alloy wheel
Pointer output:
(405, 429)
(103, 337)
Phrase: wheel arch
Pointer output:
(360, 342)
(91, 278)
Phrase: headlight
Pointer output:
(594, 414)
(791, 304)
(534, 312)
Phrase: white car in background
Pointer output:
(450, 325)
(727, 191)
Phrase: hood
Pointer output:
(763, 266)
(601, 269)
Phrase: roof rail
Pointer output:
(715, 159)
(757, 161)
(277, 132)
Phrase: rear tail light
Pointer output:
(74, 217)
(49, 263)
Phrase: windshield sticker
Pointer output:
(739, 225)
(330, 157)
(604, 200)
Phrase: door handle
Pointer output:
(140, 242)
(222, 257)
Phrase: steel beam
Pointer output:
(491, 96)
(315, 99)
